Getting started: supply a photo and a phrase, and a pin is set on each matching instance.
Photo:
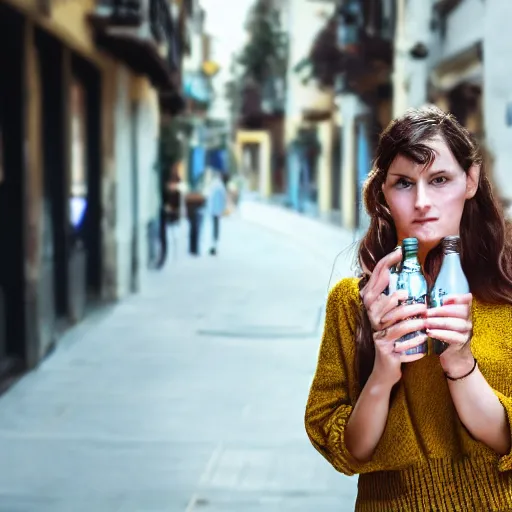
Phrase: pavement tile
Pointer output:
(188, 396)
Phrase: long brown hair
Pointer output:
(485, 234)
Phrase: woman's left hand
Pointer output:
(452, 324)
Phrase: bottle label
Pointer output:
(436, 300)
(409, 301)
(437, 297)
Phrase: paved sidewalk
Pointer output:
(187, 397)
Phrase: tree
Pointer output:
(265, 54)
(325, 60)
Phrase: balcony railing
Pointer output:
(365, 36)
(142, 34)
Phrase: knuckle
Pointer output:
(368, 298)
(371, 308)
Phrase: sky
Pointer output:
(226, 25)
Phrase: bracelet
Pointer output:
(464, 376)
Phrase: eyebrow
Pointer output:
(430, 172)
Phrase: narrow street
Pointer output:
(189, 396)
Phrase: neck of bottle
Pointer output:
(411, 256)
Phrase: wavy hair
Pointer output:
(485, 234)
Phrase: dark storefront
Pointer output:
(50, 267)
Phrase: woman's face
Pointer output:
(426, 202)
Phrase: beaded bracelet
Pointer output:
(464, 376)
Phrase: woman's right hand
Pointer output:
(390, 321)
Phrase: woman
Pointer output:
(424, 432)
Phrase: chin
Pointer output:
(426, 238)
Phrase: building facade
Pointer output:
(311, 124)
(380, 59)
(80, 100)
(460, 68)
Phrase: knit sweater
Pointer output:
(426, 459)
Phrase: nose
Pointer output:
(422, 202)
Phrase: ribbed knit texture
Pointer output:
(426, 460)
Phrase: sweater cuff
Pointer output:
(341, 458)
(505, 462)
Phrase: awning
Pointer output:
(140, 55)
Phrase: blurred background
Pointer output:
(144, 365)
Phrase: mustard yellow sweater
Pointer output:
(426, 460)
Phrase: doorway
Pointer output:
(54, 275)
(13, 349)
(84, 188)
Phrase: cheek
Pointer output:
(400, 206)
(452, 199)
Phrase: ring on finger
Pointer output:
(381, 334)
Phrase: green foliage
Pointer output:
(265, 54)
(325, 60)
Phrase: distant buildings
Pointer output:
(354, 65)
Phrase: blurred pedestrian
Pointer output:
(217, 202)
(424, 432)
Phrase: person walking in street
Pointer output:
(217, 202)
(425, 432)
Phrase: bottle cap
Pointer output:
(451, 244)
(410, 244)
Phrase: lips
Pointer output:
(424, 221)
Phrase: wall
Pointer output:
(38, 334)
(497, 92)
(123, 180)
(325, 162)
(351, 107)
(303, 20)
(136, 137)
(410, 76)
(67, 20)
(464, 27)
(148, 184)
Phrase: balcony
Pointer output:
(261, 102)
(143, 35)
(365, 36)
(354, 48)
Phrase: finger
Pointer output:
(453, 310)
(411, 358)
(449, 324)
(383, 304)
(450, 337)
(466, 298)
(380, 276)
(400, 313)
(399, 330)
(402, 346)
(389, 260)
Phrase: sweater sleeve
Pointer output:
(505, 462)
(329, 406)
(492, 346)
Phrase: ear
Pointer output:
(472, 180)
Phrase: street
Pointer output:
(188, 396)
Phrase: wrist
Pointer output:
(457, 364)
(378, 386)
